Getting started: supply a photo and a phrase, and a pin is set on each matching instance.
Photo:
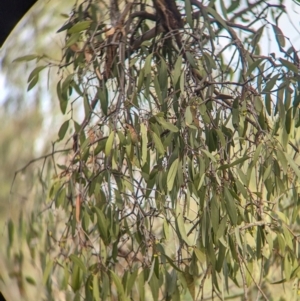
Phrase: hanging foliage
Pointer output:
(183, 177)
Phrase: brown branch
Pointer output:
(147, 36)
(143, 15)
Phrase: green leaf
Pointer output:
(96, 293)
(224, 10)
(147, 66)
(131, 281)
(73, 39)
(221, 256)
(119, 286)
(210, 62)
(215, 213)
(34, 76)
(76, 278)
(47, 271)
(181, 226)
(154, 285)
(190, 281)
(200, 255)
(290, 66)
(33, 82)
(167, 125)
(105, 287)
(64, 27)
(63, 129)
(238, 161)
(171, 281)
(282, 159)
(188, 116)
(209, 155)
(233, 6)
(103, 96)
(158, 90)
(288, 120)
(158, 144)
(172, 174)
(26, 58)
(191, 60)
(257, 154)
(293, 165)
(78, 262)
(177, 70)
(109, 143)
(62, 96)
(287, 267)
(163, 77)
(30, 280)
(279, 36)
(230, 206)
(254, 65)
(270, 84)
(10, 228)
(80, 26)
(188, 11)
(102, 225)
(257, 36)
(219, 19)
(267, 172)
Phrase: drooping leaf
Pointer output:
(26, 58)
(290, 66)
(78, 27)
(63, 129)
(279, 36)
(109, 143)
(78, 262)
(230, 206)
(172, 174)
(158, 144)
(120, 290)
(181, 225)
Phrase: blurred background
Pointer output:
(29, 125)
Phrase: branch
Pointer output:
(147, 36)
(35, 160)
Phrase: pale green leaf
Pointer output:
(279, 36)
(230, 206)
(181, 226)
(158, 144)
(26, 58)
(120, 290)
(109, 143)
(188, 11)
(236, 162)
(172, 174)
(96, 293)
(167, 125)
(78, 262)
(80, 26)
(209, 155)
(290, 66)
(63, 129)
(200, 255)
(73, 39)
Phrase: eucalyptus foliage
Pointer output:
(180, 179)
